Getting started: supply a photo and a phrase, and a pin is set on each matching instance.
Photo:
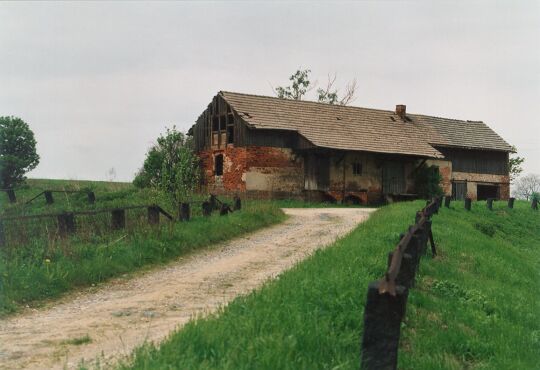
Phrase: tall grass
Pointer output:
(476, 305)
(37, 264)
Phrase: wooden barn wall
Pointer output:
(477, 161)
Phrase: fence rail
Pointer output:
(66, 220)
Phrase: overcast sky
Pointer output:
(98, 82)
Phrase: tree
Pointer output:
(301, 85)
(527, 186)
(427, 180)
(171, 165)
(514, 166)
(17, 151)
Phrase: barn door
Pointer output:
(393, 178)
(316, 172)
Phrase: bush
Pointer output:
(427, 181)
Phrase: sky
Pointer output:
(99, 81)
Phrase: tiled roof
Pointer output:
(362, 129)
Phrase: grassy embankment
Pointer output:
(475, 306)
(39, 265)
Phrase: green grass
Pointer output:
(45, 267)
(475, 306)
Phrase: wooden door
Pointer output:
(393, 178)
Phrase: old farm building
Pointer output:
(266, 146)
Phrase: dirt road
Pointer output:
(120, 315)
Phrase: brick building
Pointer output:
(266, 146)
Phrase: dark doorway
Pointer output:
(393, 178)
(218, 165)
(459, 190)
(316, 172)
(484, 192)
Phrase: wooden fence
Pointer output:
(66, 221)
(387, 298)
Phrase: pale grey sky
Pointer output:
(98, 82)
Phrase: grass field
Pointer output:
(45, 267)
(475, 306)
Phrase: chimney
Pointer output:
(401, 110)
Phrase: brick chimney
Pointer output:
(401, 110)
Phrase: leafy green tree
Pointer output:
(427, 181)
(300, 84)
(171, 165)
(514, 165)
(17, 151)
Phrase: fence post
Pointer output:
(382, 323)
(489, 203)
(413, 248)
(11, 195)
(534, 204)
(48, 197)
(118, 219)
(213, 202)
(511, 202)
(468, 204)
(91, 197)
(153, 215)
(406, 272)
(2, 234)
(184, 212)
(447, 200)
(66, 224)
(224, 210)
(206, 208)
(237, 203)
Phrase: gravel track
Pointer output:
(124, 313)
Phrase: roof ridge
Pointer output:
(344, 106)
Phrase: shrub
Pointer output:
(427, 181)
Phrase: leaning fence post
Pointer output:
(206, 208)
(48, 197)
(66, 223)
(511, 202)
(447, 200)
(91, 197)
(407, 270)
(382, 323)
(11, 195)
(225, 209)
(153, 215)
(489, 203)
(534, 204)
(118, 219)
(468, 204)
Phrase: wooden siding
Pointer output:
(477, 161)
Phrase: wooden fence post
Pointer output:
(213, 202)
(225, 209)
(48, 197)
(534, 204)
(447, 200)
(382, 323)
(91, 197)
(407, 271)
(11, 195)
(66, 224)
(118, 219)
(237, 203)
(206, 208)
(184, 212)
(511, 202)
(489, 203)
(468, 202)
(153, 215)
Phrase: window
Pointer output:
(357, 168)
(218, 165)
